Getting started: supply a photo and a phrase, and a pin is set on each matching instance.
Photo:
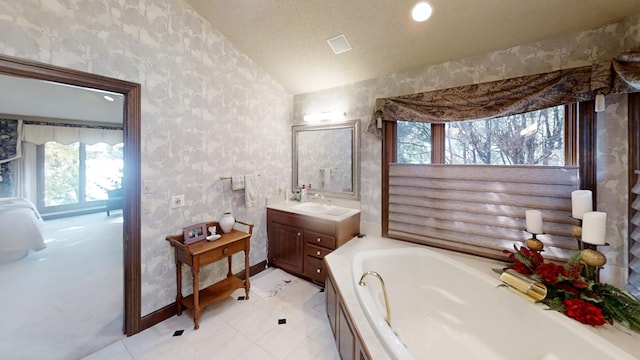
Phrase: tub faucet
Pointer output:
(384, 292)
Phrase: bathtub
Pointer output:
(441, 308)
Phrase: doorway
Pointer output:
(131, 172)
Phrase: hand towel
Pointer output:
(237, 182)
(325, 177)
(250, 190)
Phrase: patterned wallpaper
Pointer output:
(207, 111)
(203, 103)
(581, 49)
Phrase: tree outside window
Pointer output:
(534, 138)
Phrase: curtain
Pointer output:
(40, 134)
(512, 96)
(10, 131)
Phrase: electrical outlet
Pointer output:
(177, 201)
(147, 207)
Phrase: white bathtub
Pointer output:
(444, 309)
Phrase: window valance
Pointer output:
(514, 95)
(40, 134)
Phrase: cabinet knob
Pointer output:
(225, 251)
(299, 234)
(318, 240)
(318, 253)
(318, 271)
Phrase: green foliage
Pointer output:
(619, 306)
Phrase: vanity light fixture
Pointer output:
(329, 115)
(421, 11)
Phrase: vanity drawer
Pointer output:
(315, 238)
(314, 269)
(316, 251)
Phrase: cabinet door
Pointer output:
(346, 338)
(331, 304)
(286, 247)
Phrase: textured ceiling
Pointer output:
(287, 38)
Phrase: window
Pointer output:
(78, 175)
(534, 138)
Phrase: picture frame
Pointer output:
(194, 233)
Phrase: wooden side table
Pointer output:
(205, 252)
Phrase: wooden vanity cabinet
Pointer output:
(298, 243)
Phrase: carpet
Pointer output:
(67, 299)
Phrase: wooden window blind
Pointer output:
(633, 280)
(480, 209)
(634, 241)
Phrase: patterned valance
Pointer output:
(40, 134)
(512, 96)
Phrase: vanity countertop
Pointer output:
(336, 211)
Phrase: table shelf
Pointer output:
(199, 254)
(215, 292)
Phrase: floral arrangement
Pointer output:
(571, 290)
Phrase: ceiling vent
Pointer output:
(339, 44)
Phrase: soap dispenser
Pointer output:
(303, 194)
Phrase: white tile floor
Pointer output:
(242, 329)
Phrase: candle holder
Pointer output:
(593, 259)
(533, 243)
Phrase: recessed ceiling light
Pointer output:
(421, 11)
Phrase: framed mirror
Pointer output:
(326, 156)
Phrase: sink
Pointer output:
(314, 208)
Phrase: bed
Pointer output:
(20, 229)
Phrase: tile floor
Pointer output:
(242, 329)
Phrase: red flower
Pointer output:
(567, 287)
(537, 257)
(575, 269)
(583, 311)
(520, 267)
(549, 272)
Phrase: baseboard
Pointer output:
(168, 311)
(158, 316)
(254, 270)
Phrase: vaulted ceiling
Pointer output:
(287, 38)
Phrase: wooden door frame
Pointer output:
(132, 161)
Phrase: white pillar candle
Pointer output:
(594, 226)
(581, 203)
(534, 221)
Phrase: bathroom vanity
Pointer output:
(301, 235)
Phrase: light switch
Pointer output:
(146, 207)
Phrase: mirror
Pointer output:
(327, 157)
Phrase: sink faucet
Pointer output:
(319, 198)
(384, 292)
